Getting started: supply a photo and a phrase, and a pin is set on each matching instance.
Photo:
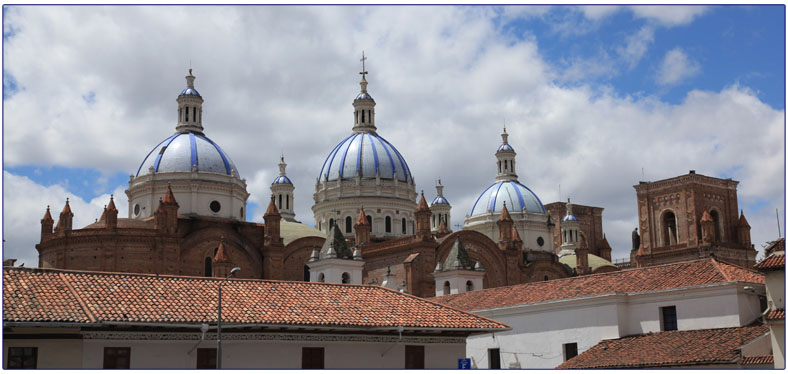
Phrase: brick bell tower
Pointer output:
(691, 216)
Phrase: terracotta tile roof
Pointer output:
(654, 278)
(668, 348)
(775, 314)
(50, 295)
(774, 261)
(757, 360)
(775, 246)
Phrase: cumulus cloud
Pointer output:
(282, 79)
(598, 12)
(24, 204)
(669, 16)
(636, 46)
(676, 67)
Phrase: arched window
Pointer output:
(363, 115)
(404, 226)
(717, 226)
(499, 166)
(194, 114)
(433, 221)
(330, 223)
(446, 288)
(287, 201)
(345, 278)
(187, 114)
(546, 278)
(388, 224)
(505, 164)
(348, 224)
(321, 278)
(669, 234)
(208, 267)
(180, 114)
(369, 219)
(468, 286)
(306, 273)
(320, 226)
(280, 201)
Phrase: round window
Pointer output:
(540, 241)
(215, 206)
(136, 209)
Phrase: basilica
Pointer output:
(187, 208)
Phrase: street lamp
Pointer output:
(219, 327)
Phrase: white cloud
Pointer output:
(669, 16)
(24, 204)
(636, 46)
(282, 79)
(598, 12)
(676, 67)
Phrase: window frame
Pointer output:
(313, 358)
(114, 357)
(201, 354)
(23, 358)
(569, 354)
(494, 358)
(415, 356)
(668, 321)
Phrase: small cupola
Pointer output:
(505, 158)
(364, 105)
(189, 108)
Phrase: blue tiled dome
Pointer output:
(440, 200)
(185, 152)
(189, 91)
(569, 217)
(517, 197)
(364, 154)
(282, 179)
(364, 95)
(505, 147)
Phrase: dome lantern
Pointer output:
(189, 108)
(364, 105)
(505, 156)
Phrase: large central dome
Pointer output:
(366, 155)
(188, 152)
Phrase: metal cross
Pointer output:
(363, 65)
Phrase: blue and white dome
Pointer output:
(505, 147)
(569, 217)
(364, 154)
(517, 197)
(188, 152)
(440, 200)
(282, 179)
(189, 91)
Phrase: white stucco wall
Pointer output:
(539, 331)
(52, 353)
(241, 351)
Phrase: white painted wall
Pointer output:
(273, 354)
(52, 354)
(539, 331)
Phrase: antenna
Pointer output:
(559, 191)
(777, 212)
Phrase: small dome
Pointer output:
(517, 197)
(440, 200)
(189, 91)
(188, 152)
(364, 154)
(364, 95)
(569, 217)
(282, 179)
(505, 147)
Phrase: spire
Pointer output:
(439, 187)
(189, 108)
(221, 253)
(362, 218)
(458, 258)
(505, 214)
(604, 243)
(743, 221)
(363, 73)
(516, 235)
(568, 206)
(66, 209)
(272, 211)
(422, 203)
(282, 166)
(47, 216)
(169, 197)
(111, 206)
(505, 136)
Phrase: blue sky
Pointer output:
(659, 89)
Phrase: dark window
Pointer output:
(312, 358)
(22, 357)
(136, 209)
(280, 202)
(208, 267)
(540, 241)
(494, 356)
(369, 219)
(717, 226)
(468, 286)
(242, 213)
(499, 166)
(414, 357)
(206, 358)
(446, 288)
(306, 273)
(363, 115)
(669, 234)
(330, 223)
(348, 224)
(546, 278)
(505, 165)
(570, 350)
(194, 114)
(669, 321)
(404, 226)
(180, 114)
(287, 201)
(345, 278)
(215, 206)
(117, 357)
(388, 224)
(187, 114)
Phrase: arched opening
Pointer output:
(388, 224)
(505, 165)
(369, 220)
(330, 223)
(433, 221)
(363, 116)
(348, 224)
(345, 278)
(499, 166)
(187, 115)
(320, 226)
(669, 234)
(180, 114)
(404, 226)
(287, 202)
(468, 286)
(306, 273)
(208, 267)
(717, 226)
(446, 288)
(321, 278)
(546, 278)
(194, 113)
(280, 201)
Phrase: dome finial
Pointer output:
(504, 135)
(190, 79)
(363, 73)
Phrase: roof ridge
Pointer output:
(728, 277)
(85, 307)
